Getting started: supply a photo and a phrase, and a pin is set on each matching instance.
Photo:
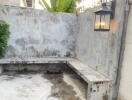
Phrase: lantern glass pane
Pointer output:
(105, 22)
(97, 22)
(107, 19)
(102, 22)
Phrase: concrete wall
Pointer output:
(125, 88)
(36, 33)
(101, 50)
(92, 47)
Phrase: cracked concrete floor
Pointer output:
(39, 86)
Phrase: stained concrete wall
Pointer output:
(92, 47)
(125, 88)
(101, 50)
(36, 33)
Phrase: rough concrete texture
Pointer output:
(99, 91)
(101, 50)
(36, 33)
(125, 88)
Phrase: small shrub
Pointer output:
(67, 6)
(4, 35)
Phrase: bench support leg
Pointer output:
(1, 69)
(98, 91)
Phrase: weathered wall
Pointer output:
(92, 47)
(36, 33)
(101, 50)
(125, 88)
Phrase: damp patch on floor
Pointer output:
(39, 86)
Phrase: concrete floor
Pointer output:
(39, 86)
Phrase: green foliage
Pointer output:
(4, 35)
(59, 5)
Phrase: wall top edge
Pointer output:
(34, 10)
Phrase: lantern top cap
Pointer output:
(103, 10)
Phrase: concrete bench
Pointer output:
(98, 84)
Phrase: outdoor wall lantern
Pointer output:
(103, 16)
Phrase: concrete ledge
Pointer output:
(87, 73)
(34, 60)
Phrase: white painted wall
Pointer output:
(125, 89)
(4, 2)
(10, 2)
(37, 4)
(21, 3)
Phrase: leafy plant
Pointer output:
(4, 35)
(59, 5)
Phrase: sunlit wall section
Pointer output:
(36, 4)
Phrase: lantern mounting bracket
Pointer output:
(111, 6)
